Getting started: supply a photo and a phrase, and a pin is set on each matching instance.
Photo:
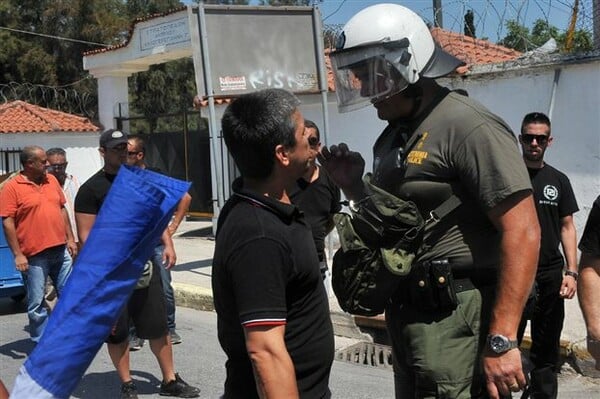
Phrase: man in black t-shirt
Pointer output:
(273, 314)
(136, 155)
(589, 281)
(319, 198)
(555, 204)
(146, 306)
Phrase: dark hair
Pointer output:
(308, 124)
(140, 142)
(28, 153)
(254, 124)
(535, 117)
(56, 151)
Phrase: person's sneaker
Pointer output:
(175, 338)
(135, 343)
(178, 388)
(128, 390)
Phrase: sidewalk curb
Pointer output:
(193, 296)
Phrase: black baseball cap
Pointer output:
(111, 138)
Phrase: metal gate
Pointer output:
(179, 145)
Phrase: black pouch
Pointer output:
(422, 294)
(443, 281)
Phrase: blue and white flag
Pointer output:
(133, 216)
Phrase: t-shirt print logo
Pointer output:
(550, 192)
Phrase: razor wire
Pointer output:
(492, 16)
(79, 98)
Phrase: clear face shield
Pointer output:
(367, 74)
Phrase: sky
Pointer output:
(490, 15)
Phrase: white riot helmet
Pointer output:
(383, 49)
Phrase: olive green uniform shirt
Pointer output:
(459, 147)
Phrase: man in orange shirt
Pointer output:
(38, 232)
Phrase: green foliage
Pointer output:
(35, 60)
(520, 38)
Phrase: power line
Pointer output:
(336, 10)
(53, 37)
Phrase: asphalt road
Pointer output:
(199, 360)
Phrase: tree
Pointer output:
(40, 63)
(520, 38)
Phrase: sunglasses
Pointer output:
(539, 138)
(132, 153)
(313, 141)
(57, 166)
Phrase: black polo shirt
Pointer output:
(265, 272)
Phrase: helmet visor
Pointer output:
(365, 75)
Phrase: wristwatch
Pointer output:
(500, 344)
(572, 274)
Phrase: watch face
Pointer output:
(499, 343)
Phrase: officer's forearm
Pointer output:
(516, 219)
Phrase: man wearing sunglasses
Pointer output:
(146, 306)
(458, 340)
(57, 159)
(319, 198)
(555, 204)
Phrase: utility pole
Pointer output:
(596, 11)
(438, 19)
(571, 30)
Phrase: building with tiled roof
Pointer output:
(22, 117)
(23, 124)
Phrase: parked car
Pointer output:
(11, 281)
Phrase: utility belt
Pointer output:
(432, 286)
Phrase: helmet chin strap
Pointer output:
(413, 92)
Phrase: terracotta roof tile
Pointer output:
(20, 116)
(472, 51)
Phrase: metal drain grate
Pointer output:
(368, 354)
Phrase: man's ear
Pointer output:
(281, 155)
(550, 139)
(101, 151)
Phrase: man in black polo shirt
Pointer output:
(273, 316)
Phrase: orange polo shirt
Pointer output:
(37, 211)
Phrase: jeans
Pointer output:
(165, 277)
(54, 262)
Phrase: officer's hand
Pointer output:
(21, 263)
(504, 373)
(568, 288)
(345, 167)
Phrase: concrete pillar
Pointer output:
(113, 99)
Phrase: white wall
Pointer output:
(82, 149)
(575, 117)
(510, 94)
